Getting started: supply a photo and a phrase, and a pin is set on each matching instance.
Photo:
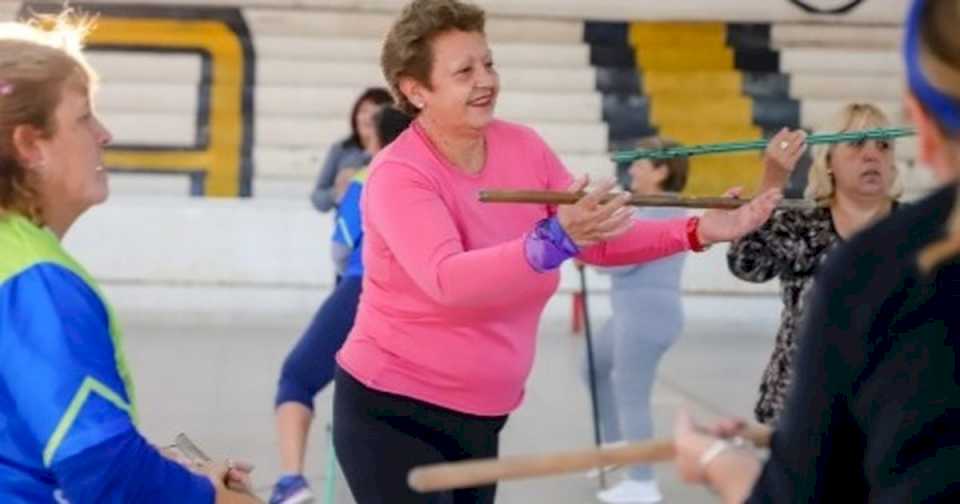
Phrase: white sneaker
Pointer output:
(632, 492)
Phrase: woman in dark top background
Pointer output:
(854, 185)
(874, 409)
(346, 157)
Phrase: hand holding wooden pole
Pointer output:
(472, 473)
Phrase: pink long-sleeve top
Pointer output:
(450, 305)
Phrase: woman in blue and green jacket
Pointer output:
(67, 408)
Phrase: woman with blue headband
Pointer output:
(875, 404)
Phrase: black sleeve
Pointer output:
(760, 255)
(814, 448)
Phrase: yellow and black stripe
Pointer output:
(221, 158)
(695, 83)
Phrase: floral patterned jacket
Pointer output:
(791, 245)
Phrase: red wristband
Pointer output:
(693, 236)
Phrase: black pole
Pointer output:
(591, 368)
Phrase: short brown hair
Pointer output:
(677, 167)
(407, 49)
(35, 66)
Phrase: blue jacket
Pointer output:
(349, 228)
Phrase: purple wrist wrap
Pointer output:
(548, 245)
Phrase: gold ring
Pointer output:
(784, 144)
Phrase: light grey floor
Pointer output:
(217, 382)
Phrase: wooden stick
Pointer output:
(473, 473)
(569, 198)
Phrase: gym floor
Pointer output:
(216, 383)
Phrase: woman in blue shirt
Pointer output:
(345, 158)
(310, 366)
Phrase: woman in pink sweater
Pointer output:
(453, 289)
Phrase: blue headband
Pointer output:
(945, 108)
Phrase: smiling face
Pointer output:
(69, 163)
(464, 84)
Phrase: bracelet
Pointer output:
(693, 235)
(714, 450)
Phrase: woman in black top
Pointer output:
(854, 185)
(874, 411)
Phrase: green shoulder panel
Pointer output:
(24, 245)
(361, 176)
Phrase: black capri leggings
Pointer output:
(379, 437)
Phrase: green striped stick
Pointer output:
(740, 146)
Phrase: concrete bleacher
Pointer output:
(880, 63)
(887, 12)
(836, 35)
(314, 56)
(310, 63)
(811, 87)
(309, 83)
(309, 71)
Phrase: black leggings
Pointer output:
(379, 437)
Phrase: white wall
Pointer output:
(236, 258)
